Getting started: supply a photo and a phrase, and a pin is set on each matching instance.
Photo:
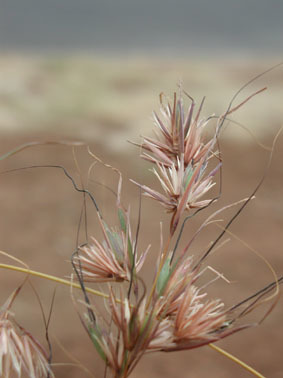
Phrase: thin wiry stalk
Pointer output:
(248, 83)
(46, 322)
(84, 208)
(66, 174)
(264, 290)
(81, 281)
(244, 204)
(38, 143)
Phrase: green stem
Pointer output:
(162, 261)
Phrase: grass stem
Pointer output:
(51, 278)
(236, 360)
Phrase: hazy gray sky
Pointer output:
(253, 26)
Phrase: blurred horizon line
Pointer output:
(236, 55)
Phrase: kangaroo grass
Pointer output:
(175, 312)
(61, 281)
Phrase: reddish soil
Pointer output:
(39, 219)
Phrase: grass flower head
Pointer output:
(113, 259)
(20, 352)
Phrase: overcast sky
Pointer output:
(183, 26)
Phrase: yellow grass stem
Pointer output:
(52, 278)
(236, 360)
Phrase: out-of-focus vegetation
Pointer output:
(88, 96)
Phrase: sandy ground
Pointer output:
(40, 213)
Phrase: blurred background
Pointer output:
(92, 71)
